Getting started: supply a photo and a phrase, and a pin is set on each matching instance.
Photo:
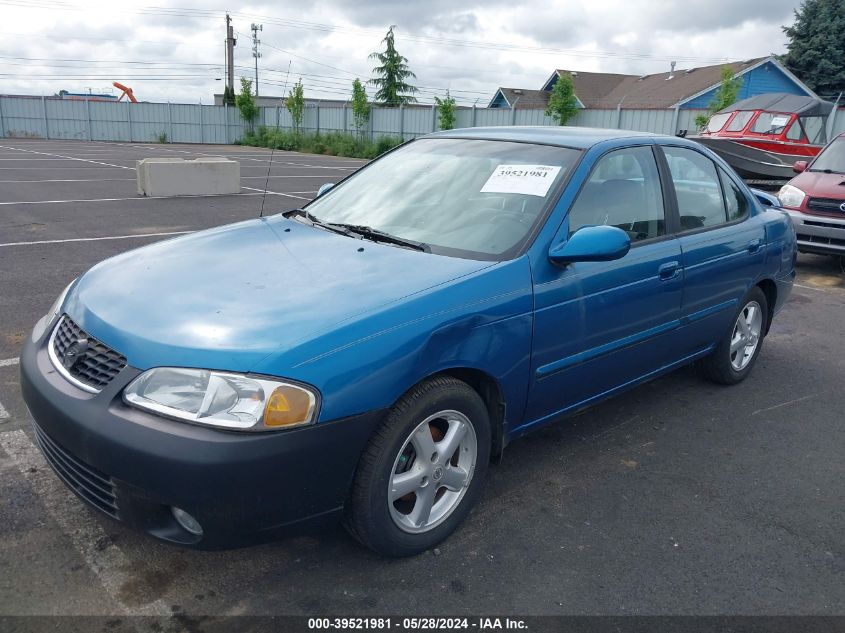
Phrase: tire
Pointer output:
(377, 513)
(727, 365)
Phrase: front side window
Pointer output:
(467, 198)
(740, 121)
(623, 191)
(737, 203)
(814, 126)
(697, 188)
(795, 133)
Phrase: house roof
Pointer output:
(608, 90)
(524, 98)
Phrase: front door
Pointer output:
(600, 326)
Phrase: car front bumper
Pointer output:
(819, 233)
(242, 488)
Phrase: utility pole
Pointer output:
(230, 54)
(255, 42)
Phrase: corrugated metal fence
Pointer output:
(46, 117)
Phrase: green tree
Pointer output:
(563, 104)
(816, 48)
(360, 106)
(446, 111)
(725, 95)
(246, 102)
(295, 103)
(229, 96)
(392, 89)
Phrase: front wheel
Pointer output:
(738, 350)
(423, 469)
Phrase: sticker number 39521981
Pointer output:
(531, 180)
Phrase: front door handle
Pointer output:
(754, 246)
(669, 270)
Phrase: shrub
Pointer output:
(329, 143)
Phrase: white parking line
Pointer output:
(273, 193)
(84, 160)
(105, 559)
(8, 362)
(75, 180)
(94, 239)
(4, 415)
(205, 195)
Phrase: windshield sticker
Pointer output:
(531, 180)
(779, 121)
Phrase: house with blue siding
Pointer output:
(692, 88)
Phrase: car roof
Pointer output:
(564, 136)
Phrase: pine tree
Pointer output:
(392, 88)
(816, 48)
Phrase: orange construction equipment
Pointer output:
(127, 92)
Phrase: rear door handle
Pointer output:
(754, 246)
(669, 270)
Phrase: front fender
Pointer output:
(481, 322)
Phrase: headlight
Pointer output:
(790, 196)
(216, 398)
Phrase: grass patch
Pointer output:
(329, 144)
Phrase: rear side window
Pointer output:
(623, 191)
(697, 188)
(735, 200)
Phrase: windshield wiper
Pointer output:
(312, 220)
(376, 235)
(827, 171)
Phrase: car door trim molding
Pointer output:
(607, 348)
(628, 341)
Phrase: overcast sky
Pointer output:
(175, 50)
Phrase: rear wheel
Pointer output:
(737, 352)
(423, 469)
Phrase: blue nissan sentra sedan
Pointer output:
(365, 356)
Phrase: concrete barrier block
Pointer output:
(179, 177)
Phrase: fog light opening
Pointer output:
(186, 521)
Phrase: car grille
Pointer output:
(826, 205)
(95, 365)
(86, 481)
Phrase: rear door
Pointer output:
(722, 244)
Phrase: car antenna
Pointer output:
(267, 181)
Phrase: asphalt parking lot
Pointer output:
(679, 497)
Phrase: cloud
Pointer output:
(180, 48)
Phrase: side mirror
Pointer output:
(592, 244)
(766, 199)
(324, 188)
(799, 165)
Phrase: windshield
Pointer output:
(832, 158)
(770, 123)
(717, 122)
(468, 198)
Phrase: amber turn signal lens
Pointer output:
(288, 406)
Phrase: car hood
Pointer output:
(228, 297)
(820, 185)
